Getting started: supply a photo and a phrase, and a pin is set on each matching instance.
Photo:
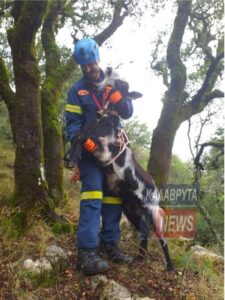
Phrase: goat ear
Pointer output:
(135, 95)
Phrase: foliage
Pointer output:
(5, 128)
(206, 271)
(203, 39)
(139, 137)
(6, 170)
(180, 172)
(10, 228)
(61, 228)
(212, 185)
(37, 280)
(191, 64)
(138, 133)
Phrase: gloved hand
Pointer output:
(113, 95)
(90, 145)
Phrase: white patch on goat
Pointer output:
(110, 77)
(139, 190)
(119, 170)
(130, 163)
(106, 155)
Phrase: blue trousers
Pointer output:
(96, 203)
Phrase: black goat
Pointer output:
(125, 177)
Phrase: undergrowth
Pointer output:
(193, 279)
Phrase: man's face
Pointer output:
(91, 71)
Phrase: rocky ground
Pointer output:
(142, 278)
(193, 278)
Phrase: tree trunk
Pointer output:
(30, 183)
(176, 109)
(50, 93)
(53, 149)
(162, 143)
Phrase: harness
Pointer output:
(122, 143)
(123, 140)
(101, 106)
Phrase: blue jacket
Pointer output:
(81, 107)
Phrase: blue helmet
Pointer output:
(86, 51)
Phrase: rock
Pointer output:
(109, 289)
(97, 280)
(44, 264)
(38, 266)
(30, 266)
(56, 255)
(200, 251)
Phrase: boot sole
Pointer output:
(91, 272)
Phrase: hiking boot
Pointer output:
(115, 254)
(90, 262)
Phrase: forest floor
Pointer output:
(192, 279)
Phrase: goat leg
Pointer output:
(165, 248)
(143, 248)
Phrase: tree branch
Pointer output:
(202, 36)
(210, 79)
(192, 108)
(177, 68)
(117, 21)
(189, 139)
(48, 38)
(52, 54)
(219, 145)
(29, 16)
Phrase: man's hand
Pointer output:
(75, 176)
(113, 95)
(90, 145)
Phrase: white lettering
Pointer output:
(181, 222)
(184, 193)
(194, 196)
(190, 223)
(172, 224)
(172, 194)
(179, 193)
(177, 223)
(166, 195)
